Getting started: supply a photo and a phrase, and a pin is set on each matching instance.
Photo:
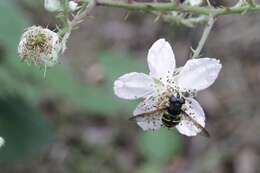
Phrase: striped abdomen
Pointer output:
(170, 120)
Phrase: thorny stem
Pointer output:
(151, 7)
(168, 6)
(77, 19)
(204, 37)
(188, 22)
(85, 11)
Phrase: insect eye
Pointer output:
(173, 99)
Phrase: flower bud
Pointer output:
(52, 5)
(39, 46)
(73, 6)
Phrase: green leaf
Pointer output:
(159, 146)
(150, 168)
(25, 130)
(99, 99)
(13, 24)
(117, 64)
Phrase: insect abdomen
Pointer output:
(169, 120)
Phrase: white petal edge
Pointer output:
(2, 141)
(195, 111)
(194, 2)
(198, 74)
(52, 5)
(151, 122)
(133, 86)
(161, 60)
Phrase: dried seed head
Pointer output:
(39, 46)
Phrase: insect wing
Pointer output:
(192, 119)
(203, 132)
(147, 115)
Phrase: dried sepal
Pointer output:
(39, 46)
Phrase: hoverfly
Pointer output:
(170, 112)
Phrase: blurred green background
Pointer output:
(71, 122)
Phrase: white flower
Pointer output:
(195, 75)
(39, 46)
(193, 2)
(2, 141)
(52, 5)
(55, 5)
(73, 6)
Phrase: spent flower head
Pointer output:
(39, 46)
(165, 80)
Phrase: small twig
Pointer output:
(204, 37)
(209, 4)
(44, 72)
(77, 19)
(188, 22)
(81, 14)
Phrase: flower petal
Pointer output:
(195, 111)
(161, 60)
(149, 122)
(2, 141)
(194, 2)
(133, 86)
(52, 5)
(198, 74)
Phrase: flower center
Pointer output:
(40, 40)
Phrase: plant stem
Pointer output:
(65, 18)
(85, 11)
(77, 19)
(150, 6)
(204, 37)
